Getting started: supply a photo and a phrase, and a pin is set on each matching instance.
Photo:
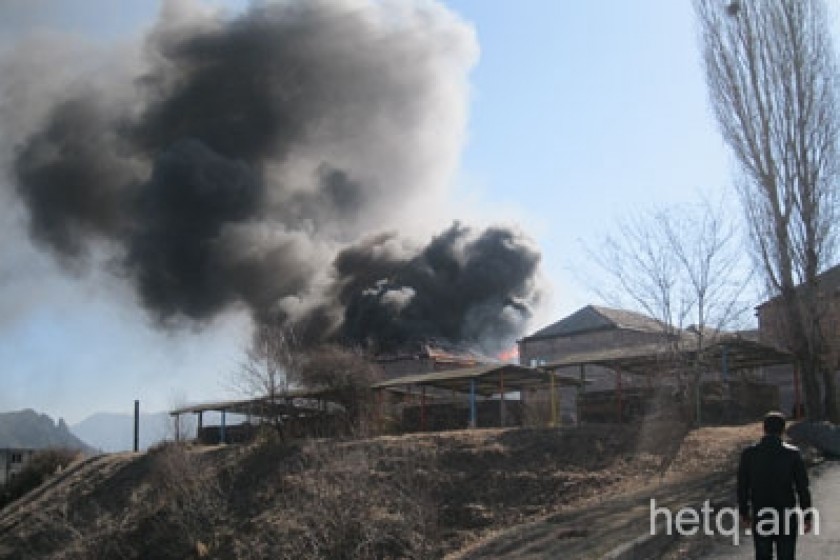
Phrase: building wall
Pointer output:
(415, 365)
(772, 331)
(402, 367)
(548, 350)
(603, 380)
(598, 378)
(771, 323)
(12, 461)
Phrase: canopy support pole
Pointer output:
(580, 391)
(423, 408)
(473, 422)
(619, 404)
(502, 398)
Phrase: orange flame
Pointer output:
(510, 355)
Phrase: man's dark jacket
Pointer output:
(771, 475)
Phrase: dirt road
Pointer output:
(592, 531)
(825, 487)
(700, 470)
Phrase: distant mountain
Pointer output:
(115, 432)
(28, 429)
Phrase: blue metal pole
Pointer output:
(222, 429)
(725, 363)
(473, 422)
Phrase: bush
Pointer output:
(346, 503)
(347, 376)
(188, 501)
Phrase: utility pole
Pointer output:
(136, 426)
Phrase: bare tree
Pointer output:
(270, 362)
(679, 265)
(682, 267)
(276, 361)
(770, 70)
(345, 374)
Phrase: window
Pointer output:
(17, 458)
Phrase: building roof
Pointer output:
(488, 378)
(597, 318)
(282, 402)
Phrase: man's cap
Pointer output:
(774, 423)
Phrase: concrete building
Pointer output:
(587, 329)
(771, 330)
(428, 357)
(590, 329)
(630, 365)
(12, 461)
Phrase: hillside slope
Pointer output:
(417, 496)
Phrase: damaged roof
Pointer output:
(439, 351)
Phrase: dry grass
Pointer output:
(712, 449)
(414, 496)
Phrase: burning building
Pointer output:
(428, 357)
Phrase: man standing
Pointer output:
(771, 476)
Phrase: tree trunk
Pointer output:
(811, 385)
(832, 412)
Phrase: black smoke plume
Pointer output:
(250, 154)
(464, 286)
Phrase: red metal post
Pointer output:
(473, 410)
(423, 408)
(580, 390)
(618, 395)
(380, 414)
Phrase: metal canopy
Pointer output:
(282, 403)
(487, 379)
(651, 359)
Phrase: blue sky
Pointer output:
(580, 111)
(584, 110)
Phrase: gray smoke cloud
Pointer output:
(239, 161)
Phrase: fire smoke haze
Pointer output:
(269, 160)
